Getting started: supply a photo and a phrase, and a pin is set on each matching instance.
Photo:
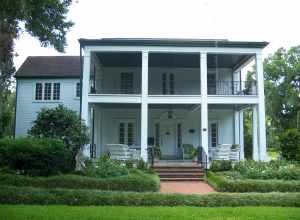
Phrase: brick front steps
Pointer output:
(179, 173)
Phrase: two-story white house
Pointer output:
(169, 92)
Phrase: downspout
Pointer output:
(16, 104)
(81, 74)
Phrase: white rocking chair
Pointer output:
(120, 152)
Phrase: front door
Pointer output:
(168, 140)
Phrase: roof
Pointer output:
(50, 66)
(172, 42)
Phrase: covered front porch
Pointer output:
(173, 129)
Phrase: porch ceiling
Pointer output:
(171, 60)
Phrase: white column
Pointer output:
(261, 108)
(236, 127)
(241, 136)
(204, 106)
(85, 93)
(255, 152)
(144, 107)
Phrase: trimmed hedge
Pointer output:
(35, 156)
(223, 184)
(27, 195)
(137, 182)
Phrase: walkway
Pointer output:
(193, 187)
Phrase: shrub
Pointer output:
(61, 123)
(105, 167)
(221, 165)
(35, 157)
(290, 144)
(224, 184)
(25, 195)
(135, 181)
(142, 165)
(268, 170)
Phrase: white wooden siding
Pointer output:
(27, 106)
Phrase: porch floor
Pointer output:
(175, 163)
(193, 187)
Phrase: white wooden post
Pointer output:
(241, 136)
(255, 153)
(261, 108)
(144, 107)
(236, 127)
(85, 93)
(204, 106)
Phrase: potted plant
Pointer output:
(195, 154)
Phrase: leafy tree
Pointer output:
(290, 144)
(61, 123)
(8, 113)
(45, 19)
(282, 87)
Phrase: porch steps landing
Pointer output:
(179, 172)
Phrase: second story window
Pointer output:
(126, 83)
(47, 91)
(78, 89)
(38, 91)
(56, 91)
(168, 83)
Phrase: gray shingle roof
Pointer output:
(50, 66)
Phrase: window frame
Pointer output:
(78, 90)
(125, 130)
(126, 83)
(40, 95)
(47, 91)
(56, 91)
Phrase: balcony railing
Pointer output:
(183, 87)
(180, 87)
(116, 87)
(231, 88)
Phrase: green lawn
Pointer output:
(27, 212)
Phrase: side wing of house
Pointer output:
(42, 82)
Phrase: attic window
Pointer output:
(38, 91)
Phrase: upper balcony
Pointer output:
(120, 73)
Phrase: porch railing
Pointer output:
(231, 88)
(115, 87)
(202, 158)
(179, 87)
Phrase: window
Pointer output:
(214, 134)
(122, 133)
(126, 133)
(179, 135)
(171, 83)
(126, 83)
(157, 133)
(38, 91)
(168, 83)
(164, 83)
(47, 91)
(56, 91)
(78, 89)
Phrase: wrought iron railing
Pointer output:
(115, 87)
(202, 158)
(180, 87)
(231, 88)
(183, 87)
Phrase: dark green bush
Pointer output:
(105, 167)
(221, 165)
(25, 195)
(136, 181)
(278, 169)
(290, 144)
(35, 157)
(142, 165)
(224, 184)
(61, 123)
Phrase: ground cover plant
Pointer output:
(253, 176)
(29, 195)
(56, 212)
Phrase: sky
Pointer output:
(275, 21)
